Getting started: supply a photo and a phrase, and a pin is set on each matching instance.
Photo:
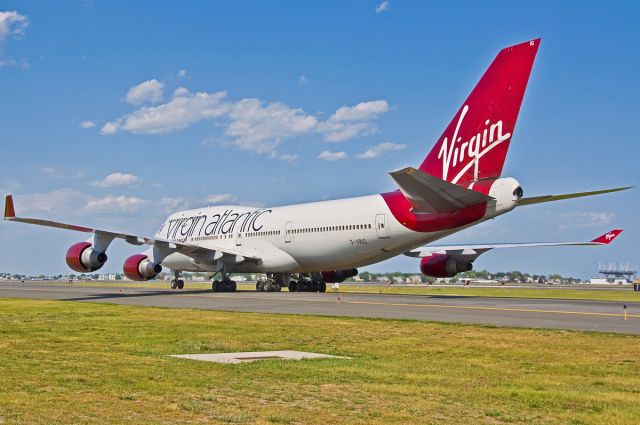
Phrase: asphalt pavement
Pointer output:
(602, 316)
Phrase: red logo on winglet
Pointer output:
(607, 237)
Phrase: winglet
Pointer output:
(9, 210)
(607, 237)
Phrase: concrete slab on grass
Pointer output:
(252, 356)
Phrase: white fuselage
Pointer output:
(319, 236)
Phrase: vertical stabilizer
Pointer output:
(474, 145)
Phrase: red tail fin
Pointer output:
(474, 145)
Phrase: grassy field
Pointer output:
(69, 362)
(578, 294)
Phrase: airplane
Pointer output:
(458, 185)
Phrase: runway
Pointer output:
(603, 316)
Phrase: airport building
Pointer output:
(615, 274)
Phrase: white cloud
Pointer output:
(250, 124)
(261, 128)
(20, 63)
(12, 23)
(57, 173)
(180, 112)
(149, 91)
(182, 73)
(115, 204)
(111, 127)
(118, 179)
(285, 157)
(218, 198)
(87, 124)
(383, 7)
(583, 219)
(303, 79)
(363, 111)
(180, 92)
(332, 156)
(378, 150)
(173, 204)
(65, 202)
(349, 122)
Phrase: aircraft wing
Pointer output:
(471, 252)
(198, 253)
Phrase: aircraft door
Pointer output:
(287, 232)
(238, 239)
(381, 226)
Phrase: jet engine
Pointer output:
(442, 265)
(337, 276)
(84, 258)
(139, 267)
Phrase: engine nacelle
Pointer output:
(441, 265)
(84, 258)
(139, 267)
(337, 276)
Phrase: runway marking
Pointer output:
(343, 301)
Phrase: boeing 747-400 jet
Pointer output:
(305, 246)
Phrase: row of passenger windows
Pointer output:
(209, 238)
(290, 231)
(329, 228)
(267, 233)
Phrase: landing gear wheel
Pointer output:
(292, 286)
(174, 284)
(276, 287)
(233, 286)
(180, 283)
(215, 286)
(259, 286)
(323, 286)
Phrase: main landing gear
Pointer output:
(177, 283)
(276, 281)
(224, 285)
(315, 284)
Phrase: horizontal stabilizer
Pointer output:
(429, 194)
(548, 198)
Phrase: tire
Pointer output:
(233, 286)
(258, 286)
(292, 286)
(301, 286)
(277, 287)
(174, 285)
(323, 287)
(215, 286)
(180, 284)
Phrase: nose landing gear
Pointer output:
(177, 283)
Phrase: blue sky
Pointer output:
(271, 103)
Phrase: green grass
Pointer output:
(81, 363)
